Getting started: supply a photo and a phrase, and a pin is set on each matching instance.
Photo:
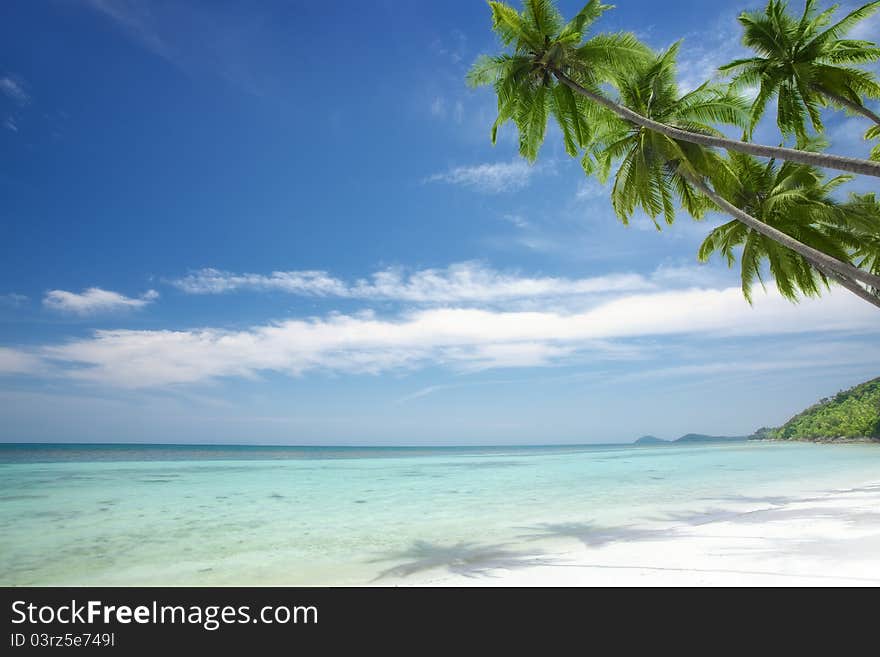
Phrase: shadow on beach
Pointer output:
(774, 500)
(466, 559)
(593, 535)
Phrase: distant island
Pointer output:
(688, 438)
(649, 440)
(703, 438)
(851, 415)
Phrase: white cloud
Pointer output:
(438, 107)
(517, 220)
(228, 40)
(95, 300)
(14, 361)
(464, 282)
(866, 30)
(458, 111)
(452, 47)
(727, 369)
(703, 52)
(10, 124)
(14, 89)
(493, 178)
(846, 135)
(703, 65)
(460, 338)
(591, 189)
(683, 275)
(307, 283)
(138, 20)
(441, 109)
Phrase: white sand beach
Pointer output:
(831, 538)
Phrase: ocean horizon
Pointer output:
(151, 514)
(86, 451)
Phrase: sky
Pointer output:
(284, 222)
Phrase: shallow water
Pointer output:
(90, 515)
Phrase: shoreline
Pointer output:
(831, 538)
(820, 441)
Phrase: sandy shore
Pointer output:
(831, 538)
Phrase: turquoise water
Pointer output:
(89, 515)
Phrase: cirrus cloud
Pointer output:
(95, 300)
(464, 282)
(493, 178)
(14, 89)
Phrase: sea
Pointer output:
(83, 514)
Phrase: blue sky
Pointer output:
(285, 223)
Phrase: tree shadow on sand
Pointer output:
(702, 517)
(467, 559)
(593, 535)
(777, 514)
(774, 500)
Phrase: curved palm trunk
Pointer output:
(839, 162)
(818, 259)
(852, 286)
(850, 105)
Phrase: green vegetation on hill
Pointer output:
(853, 413)
(703, 438)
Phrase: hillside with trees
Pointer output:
(850, 414)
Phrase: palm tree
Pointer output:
(656, 171)
(797, 200)
(874, 133)
(805, 66)
(524, 83)
(546, 53)
(858, 226)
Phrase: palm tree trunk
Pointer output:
(818, 259)
(852, 286)
(838, 162)
(850, 105)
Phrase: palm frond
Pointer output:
(510, 27)
(573, 32)
(845, 24)
(803, 62)
(542, 17)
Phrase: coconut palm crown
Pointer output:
(796, 199)
(541, 42)
(805, 64)
(859, 227)
(655, 171)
